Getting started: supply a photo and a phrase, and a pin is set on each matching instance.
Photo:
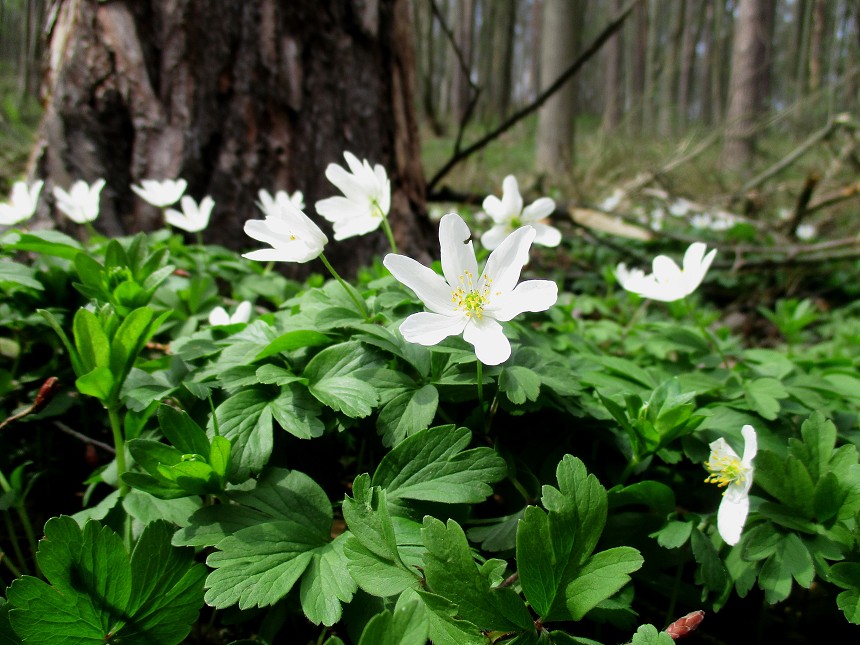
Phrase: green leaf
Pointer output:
(326, 584)
(291, 341)
(433, 465)
(445, 627)
(520, 384)
(602, 575)
(711, 571)
(819, 435)
(339, 360)
(407, 414)
(282, 535)
(652, 494)
(91, 341)
(407, 625)
(355, 398)
(374, 559)
(847, 576)
(451, 572)
(53, 243)
(98, 383)
(763, 396)
(182, 432)
(20, 274)
(674, 534)
(648, 635)
(791, 559)
(97, 593)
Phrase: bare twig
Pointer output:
(801, 208)
(88, 440)
(586, 55)
(844, 193)
(46, 393)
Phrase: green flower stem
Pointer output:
(16, 547)
(481, 387)
(709, 336)
(10, 565)
(628, 470)
(119, 445)
(389, 234)
(25, 523)
(346, 288)
(199, 236)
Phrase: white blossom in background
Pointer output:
(806, 232)
(81, 203)
(270, 204)
(292, 236)
(21, 204)
(668, 282)
(466, 301)
(366, 197)
(679, 208)
(508, 215)
(160, 194)
(735, 474)
(194, 217)
(611, 203)
(658, 215)
(219, 315)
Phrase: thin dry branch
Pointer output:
(590, 51)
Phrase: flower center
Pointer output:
(516, 222)
(468, 299)
(376, 209)
(725, 470)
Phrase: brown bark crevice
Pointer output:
(234, 97)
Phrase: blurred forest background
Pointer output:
(752, 103)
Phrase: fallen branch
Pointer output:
(586, 55)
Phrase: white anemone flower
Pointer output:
(81, 203)
(508, 215)
(292, 235)
(270, 204)
(668, 282)
(193, 218)
(466, 301)
(22, 203)
(366, 197)
(735, 474)
(806, 232)
(219, 315)
(161, 194)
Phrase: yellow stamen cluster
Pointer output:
(467, 298)
(725, 470)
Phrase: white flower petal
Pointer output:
(731, 518)
(495, 236)
(538, 210)
(219, 316)
(458, 254)
(428, 285)
(507, 261)
(426, 328)
(493, 207)
(532, 295)
(546, 235)
(242, 314)
(486, 335)
(750, 444)
(512, 201)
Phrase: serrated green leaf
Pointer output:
(407, 414)
(648, 635)
(434, 465)
(520, 384)
(97, 594)
(791, 559)
(373, 557)
(598, 578)
(711, 571)
(445, 627)
(355, 398)
(182, 432)
(819, 435)
(293, 340)
(297, 412)
(326, 584)
(763, 396)
(339, 360)
(674, 534)
(407, 625)
(652, 494)
(451, 572)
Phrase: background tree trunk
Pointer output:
(612, 88)
(561, 29)
(749, 59)
(234, 97)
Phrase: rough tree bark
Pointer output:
(612, 85)
(234, 97)
(749, 63)
(561, 30)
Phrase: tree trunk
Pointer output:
(668, 100)
(502, 57)
(233, 97)
(461, 66)
(816, 45)
(638, 67)
(561, 29)
(612, 86)
(749, 59)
